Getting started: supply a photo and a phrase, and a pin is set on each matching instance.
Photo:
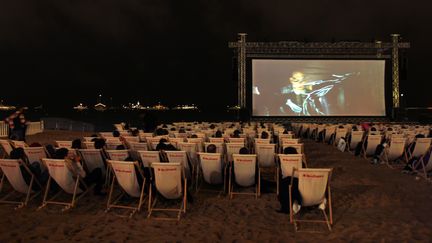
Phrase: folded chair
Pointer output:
(12, 173)
(211, 170)
(394, 151)
(314, 188)
(244, 169)
(170, 183)
(287, 164)
(125, 174)
(68, 182)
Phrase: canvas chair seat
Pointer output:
(244, 169)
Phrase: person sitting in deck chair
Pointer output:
(284, 190)
(74, 165)
(18, 153)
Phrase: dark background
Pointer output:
(59, 53)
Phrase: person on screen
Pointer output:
(308, 97)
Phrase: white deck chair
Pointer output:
(340, 133)
(314, 188)
(216, 140)
(112, 144)
(394, 151)
(89, 145)
(106, 135)
(356, 138)
(426, 162)
(117, 155)
(198, 142)
(149, 157)
(88, 139)
(12, 173)
(192, 150)
(329, 131)
(421, 147)
(299, 147)
(18, 144)
(232, 148)
(153, 142)
(182, 158)
(176, 141)
(68, 182)
(237, 140)
(6, 146)
(372, 142)
(212, 168)
(245, 167)
(94, 158)
(36, 154)
(125, 174)
(135, 147)
(286, 165)
(219, 147)
(64, 144)
(171, 183)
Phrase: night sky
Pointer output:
(60, 53)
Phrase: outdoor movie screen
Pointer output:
(318, 87)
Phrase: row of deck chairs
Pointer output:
(401, 145)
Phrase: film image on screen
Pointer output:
(318, 87)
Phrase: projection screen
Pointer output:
(318, 87)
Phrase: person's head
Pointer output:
(419, 135)
(51, 150)
(17, 153)
(212, 126)
(135, 132)
(211, 148)
(244, 150)
(61, 153)
(76, 144)
(290, 150)
(99, 143)
(116, 134)
(218, 134)
(389, 129)
(236, 134)
(264, 135)
(354, 128)
(182, 130)
(373, 129)
(194, 136)
(340, 126)
(163, 140)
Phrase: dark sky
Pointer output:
(63, 52)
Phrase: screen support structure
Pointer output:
(295, 49)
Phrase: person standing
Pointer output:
(17, 125)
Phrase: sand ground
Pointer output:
(371, 203)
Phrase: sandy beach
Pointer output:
(371, 203)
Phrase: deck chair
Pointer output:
(113, 144)
(421, 147)
(64, 144)
(329, 131)
(372, 142)
(232, 148)
(175, 141)
(125, 174)
(182, 158)
(237, 140)
(117, 155)
(93, 158)
(6, 147)
(18, 144)
(36, 154)
(12, 173)
(244, 168)
(314, 188)
(148, 157)
(426, 164)
(286, 165)
(216, 140)
(394, 151)
(198, 142)
(211, 170)
(68, 182)
(298, 147)
(106, 134)
(266, 160)
(192, 150)
(89, 145)
(219, 147)
(135, 147)
(356, 138)
(170, 183)
(340, 133)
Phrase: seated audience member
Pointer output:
(218, 134)
(33, 166)
(76, 144)
(74, 165)
(50, 150)
(413, 162)
(116, 134)
(284, 184)
(236, 133)
(211, 148)
(99, 143)
(264, 135)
